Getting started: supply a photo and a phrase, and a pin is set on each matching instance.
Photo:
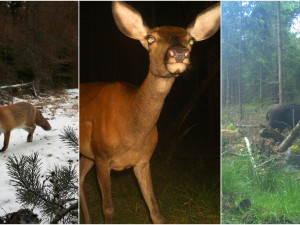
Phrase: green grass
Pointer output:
(274, 193)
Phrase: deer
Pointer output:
(118, 120)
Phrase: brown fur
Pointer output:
(118, 121)
(229, 135)
(20, 115)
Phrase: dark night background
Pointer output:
(194, 100)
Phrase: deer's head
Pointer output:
(169, 46)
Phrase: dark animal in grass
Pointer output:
(285, 115)
(244, 205)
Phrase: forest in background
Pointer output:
(39, 42)
(258, 47)
(260, 67)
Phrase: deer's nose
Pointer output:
(179, 53)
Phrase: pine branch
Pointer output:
(53, 195)
(25, 177)
(70, 137)
(62, 213)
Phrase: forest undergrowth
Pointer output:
(254, 191)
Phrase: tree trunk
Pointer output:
(279, 52)
(227, 87)
(240, 66)
(260, 88)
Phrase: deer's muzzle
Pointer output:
(177, 58)
(178, 53)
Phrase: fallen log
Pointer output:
(16, 85)
(247, 126)
(286, 143)
(30, 84)
(270, 133)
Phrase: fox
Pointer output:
(21, 115)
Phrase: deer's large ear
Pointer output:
(206, 23)
(129, 21)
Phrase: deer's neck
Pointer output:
(149, 100)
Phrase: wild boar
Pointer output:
(285, 115)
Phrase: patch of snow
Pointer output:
(61, 110)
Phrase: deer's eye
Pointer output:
(191, 41)
(150, 39)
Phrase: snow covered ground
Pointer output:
(61, 109)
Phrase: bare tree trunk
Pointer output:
(227, 87)
(240, 66)
(279, 52)
(260, 88)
